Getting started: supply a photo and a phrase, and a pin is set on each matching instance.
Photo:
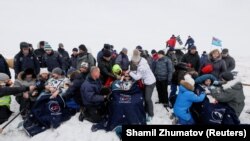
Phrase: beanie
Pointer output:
(227, 76)
(57, 71)
(47, 46)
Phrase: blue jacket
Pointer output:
(184, 101)
(91, 92)
(189, 42)
(203, 59)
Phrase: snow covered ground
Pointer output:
(124, 24)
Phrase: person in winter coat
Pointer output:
(5, 90)
(172, 56)
(184, 100)
(26, 100)
(189, 42)
(105, 66)
(53, 59)
(5, 101)
(144, 73)
(218, 65)
(74, 90)
(4, 67)
(93, 99)
(154, 55)
(163, 71)
(230, 62)
(171, 42)
(43, 77)
(204, 58)
(73, 59)
(84, 56)
(40, 53)
(231, 92)
(65, 56)
(57, 84)
(122, 60)
(192, 58)
(25, 59)
(100, 53)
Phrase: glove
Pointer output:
(216, 83)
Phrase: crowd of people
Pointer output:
(98, 86)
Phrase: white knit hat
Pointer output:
(44, 70)
(188, 78)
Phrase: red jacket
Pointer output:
(171, 42)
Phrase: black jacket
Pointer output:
(74, 90)
(106, 69)
(73, 61)
(65, 57)
(4, 68)
(40, 53)
(21, 63)
(54, 60)
(230, 62)
(193, 59)
(12, 90)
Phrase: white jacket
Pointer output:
(143, 72)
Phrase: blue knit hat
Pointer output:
(47, 46)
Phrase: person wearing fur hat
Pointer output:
(231, 92)
(25, 79)
(25, 59)
(218, 65)
(85, 56)
(5, 90)
(184, 100)
(144, 73)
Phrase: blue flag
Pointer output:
(216, 42)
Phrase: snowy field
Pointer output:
(124, 24)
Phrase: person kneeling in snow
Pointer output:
(184, 100)
(93, 97)
(231, 92)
